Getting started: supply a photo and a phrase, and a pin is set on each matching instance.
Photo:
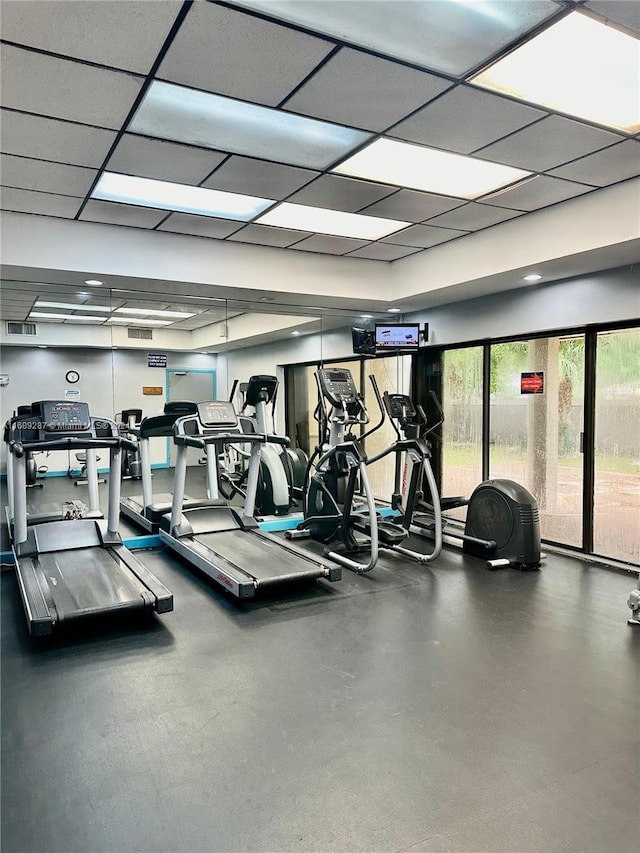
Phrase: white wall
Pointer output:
(109, 382)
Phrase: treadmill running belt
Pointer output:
(87, 580)
(257, 556)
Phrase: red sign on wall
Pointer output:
(532, 383)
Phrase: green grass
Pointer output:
(467, 456)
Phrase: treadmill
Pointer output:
(46, 512)
(78, 568)
(146, 510)
(226, 542)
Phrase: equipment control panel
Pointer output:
(399, 406)
(337, 386)
(217, 414)
(64, 417)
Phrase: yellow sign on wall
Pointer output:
(152, 390)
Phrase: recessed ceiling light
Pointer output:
(333, 222)
(42, 346)
(93, 282)
(169, 196)
(73, 306)
(295, 334)
(366, 316)
(150, 312)
(579, 66)
(404, 164)
(534, 276)
(213, 121)
(394, 310)
(77, 318)
(130, 321)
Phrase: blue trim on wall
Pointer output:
(289, 522)
(134, 543)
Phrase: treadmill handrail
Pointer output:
(229, 438)
(70, 443)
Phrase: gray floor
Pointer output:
(447, 708)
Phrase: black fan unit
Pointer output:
(505, 513)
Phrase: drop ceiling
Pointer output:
(77, 79)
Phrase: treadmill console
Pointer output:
(217, 414)
(64, 417)
(337, 386)
(399, 406)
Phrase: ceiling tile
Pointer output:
(265, 235)
(200, 226)
(93, 31)
(538, 192)
(453, 37)
(121, 214)
(45, 138)
(339, 193)
(625, 12)
(613, 164)
(227, 52)
(167, 161)
(422, 236)
(60, 88)
(360, 90)
(412, 206)
(26, 201)
(549, 143)
(258, 178)
(465, 119)
(28, 174)
(383, 252)
(472, 217)
(329, 245)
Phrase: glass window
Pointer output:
(537, 399)
(617, 446)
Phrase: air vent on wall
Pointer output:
(21, 328)
(140, 334)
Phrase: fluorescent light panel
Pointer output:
(77, 318)
(334, 222)
(417, 167)
(151, 312)
(579, 66)
(130, 321)
(453, 37)
(213, 121)
(169, 196)
(73, 307)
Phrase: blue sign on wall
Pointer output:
(156, 359)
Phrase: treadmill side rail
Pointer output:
(35, 605)
(162, 596)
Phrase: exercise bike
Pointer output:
(502, 521)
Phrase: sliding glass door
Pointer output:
(616, 498)
(536, 416)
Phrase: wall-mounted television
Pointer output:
(404, 336)
(364, 341)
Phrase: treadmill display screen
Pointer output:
(217, 413)
(66, 417)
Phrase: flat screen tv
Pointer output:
(404, 336)
(364, 342)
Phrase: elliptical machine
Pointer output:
(128, 422)
(282, 469)
(336, 470)
(502, 523)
